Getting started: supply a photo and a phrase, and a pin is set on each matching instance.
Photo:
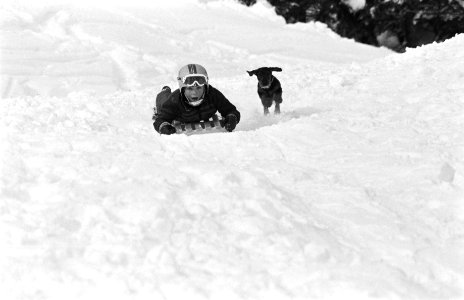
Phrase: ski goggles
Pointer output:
(194, 79)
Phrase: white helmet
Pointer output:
(192, 74)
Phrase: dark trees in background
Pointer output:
(396, 24)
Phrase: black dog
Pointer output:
(269, 88)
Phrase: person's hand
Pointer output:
(230, 122)
(167, 129)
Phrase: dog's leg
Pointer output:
(266, 110)
(277, 100)
(266, 102)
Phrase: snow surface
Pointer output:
(355, 4)
(354, 191)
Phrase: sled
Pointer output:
(214, 124)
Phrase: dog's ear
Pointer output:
(275, 69)
(251, 73)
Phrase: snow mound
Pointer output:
(355, 190)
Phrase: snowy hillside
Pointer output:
(355, 190)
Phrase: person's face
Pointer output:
(194, 93)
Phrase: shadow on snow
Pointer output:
(258, 120)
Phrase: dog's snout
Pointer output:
(264, 79)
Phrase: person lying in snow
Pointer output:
(194, 101)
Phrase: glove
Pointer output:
(167, 129)
(230, 122)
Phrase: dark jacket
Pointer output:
(176, 108)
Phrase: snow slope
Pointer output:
(355, 190)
